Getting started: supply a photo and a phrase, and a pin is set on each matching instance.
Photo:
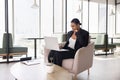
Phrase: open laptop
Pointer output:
(52, 44)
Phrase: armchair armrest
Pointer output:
(83, 59)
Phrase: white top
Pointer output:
(72, 43)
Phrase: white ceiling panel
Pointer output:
(103, 1)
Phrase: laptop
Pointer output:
(52, 44)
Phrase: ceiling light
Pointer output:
(112, 13)
(79, 9)
(35, 5)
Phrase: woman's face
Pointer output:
(74, 26)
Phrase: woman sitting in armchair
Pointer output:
(76, 38)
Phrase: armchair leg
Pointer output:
(88, 71)
(26, 55)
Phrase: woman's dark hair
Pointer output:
(76, 21)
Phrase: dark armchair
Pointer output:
(12, 50)
(100, 44)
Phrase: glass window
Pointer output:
(72, 11)
(2, 20)
(102, 18)
(26, 20)
(111, 20)
(118, 20)
(97, 18)
(85, 15)
(58, 12)
(10, 14)
(93, 18)
(46, 17)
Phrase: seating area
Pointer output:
(12, 50)
(59, 40)
(100, 44)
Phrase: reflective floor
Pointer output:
(104, 68)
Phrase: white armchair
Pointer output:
(83, 59)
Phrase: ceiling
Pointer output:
(104, 1)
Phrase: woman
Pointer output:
(76, 38)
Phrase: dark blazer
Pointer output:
(81, 41)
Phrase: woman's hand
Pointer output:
(60, 46)
(75, 31)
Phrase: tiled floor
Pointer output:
(104, 68)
